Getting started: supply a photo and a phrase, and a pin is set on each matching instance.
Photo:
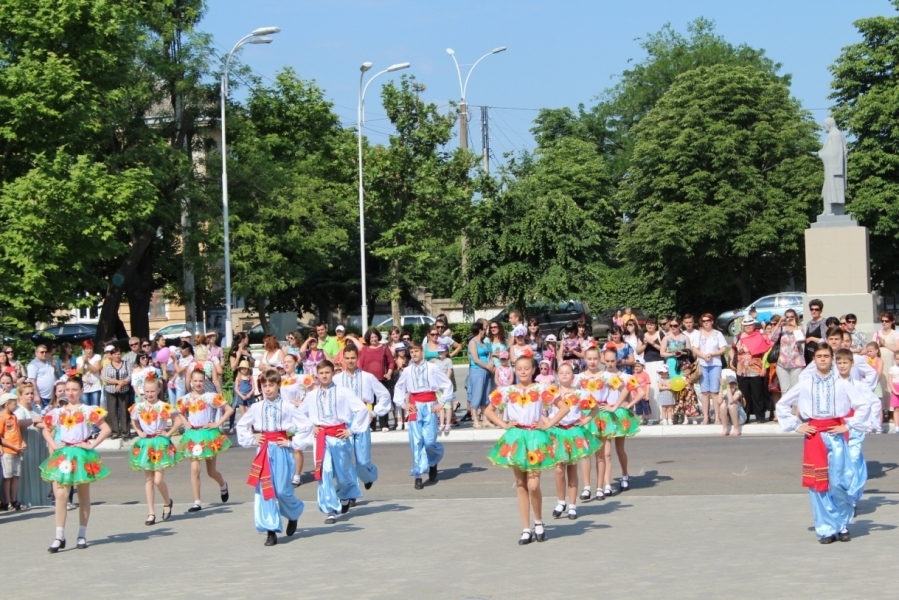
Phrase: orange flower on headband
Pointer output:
(610, 346)
(150, 376)
(71, 372)
(199, 367)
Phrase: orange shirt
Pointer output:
(10, 432)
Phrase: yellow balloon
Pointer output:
(677, 384)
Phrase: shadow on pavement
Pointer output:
(143, 536)
(565, 528)
(600, 507)
(306, 533)
(25, 515)
(877, 469)
(864, 526)
(647, 480)
(462, 469)
(869, 505)
(362, 510)
(206, 512)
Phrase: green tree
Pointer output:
(99, 103)
(866, 92)
(542, 232)
(721, 186)
(419, 194)
(669, 53)
(290, 199)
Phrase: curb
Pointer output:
(470, 434)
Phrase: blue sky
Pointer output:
(559, 53)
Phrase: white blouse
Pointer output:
(524, 405)
(152, 418)
(200, 410)
(74, 424)
(279, 414)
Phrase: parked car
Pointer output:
(551, 316)
(173, 332)
(74, 333)
(408, 320)
(766, 307)
(603, 323)
(255, 334)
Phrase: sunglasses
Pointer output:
(851, 321)
(814, 309)
(134, 344)
(885, 321)
(706, 320)
(432, 334)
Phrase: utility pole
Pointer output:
(463, 125)
(190, 292)
(485, 138)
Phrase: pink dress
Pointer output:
(894, 394)
(505, 376)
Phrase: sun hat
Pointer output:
(749, 321)
(244, 364)
(663, 368)
(519, 331)
(400, 346)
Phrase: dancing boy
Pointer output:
(422, 380)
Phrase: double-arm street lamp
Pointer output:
(258, 36)
(463, 87)
(360, 119)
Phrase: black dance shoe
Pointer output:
(418, 484)
(828, 539)
(432, 473)
(844, 536)
(271, 539)
(291, 527)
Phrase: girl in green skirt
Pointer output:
(73, 460)
(526, 446)
(153, 452)
(624, 423)
(575, 440)
(203, 439)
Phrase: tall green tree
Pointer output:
(866, 93)
(669, 53)
(99, 103)
(543, 231)
(290, 175)
(721, 186)
(418, 191)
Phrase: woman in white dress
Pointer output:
(889, 344)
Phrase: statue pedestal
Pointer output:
(838, 270)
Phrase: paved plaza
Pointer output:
(705, 516)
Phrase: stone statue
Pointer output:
(833, 155)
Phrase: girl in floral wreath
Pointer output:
(153, 452)
(574, 440)
(203, 439)
(526, 446)
(73, 460)
(592, 386)
(619, 386)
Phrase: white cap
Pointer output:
(340, 328)
(185, 333)
(8, 397)
(109, 348)
(550, 338)
(749, 321)
(519, 331)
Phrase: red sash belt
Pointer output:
(324, 432)
(814, 455)
(528, 427)
(420, 397)
(423, 397)
(560, 426)
(261, 470)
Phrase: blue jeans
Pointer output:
(45, 402)
(478, 382)
(91, 398)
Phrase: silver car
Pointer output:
(766, 307)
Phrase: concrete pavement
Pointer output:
(705, 516)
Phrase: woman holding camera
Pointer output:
(791, 359)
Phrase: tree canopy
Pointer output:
(866, 92)
(721, 186)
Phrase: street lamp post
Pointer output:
(256, 37)
(463, 87)
(360, 119)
